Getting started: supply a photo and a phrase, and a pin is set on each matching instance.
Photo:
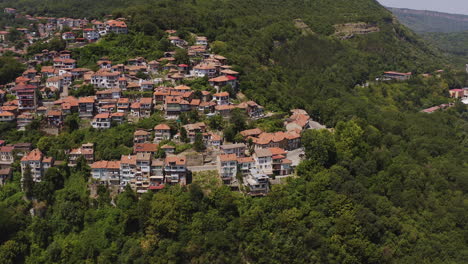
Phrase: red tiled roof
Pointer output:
(176, 160)
(227, 157)
(162, 127)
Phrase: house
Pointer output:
(105, 79)
(156, 175)
(146, 106)
(6, 116)
(175, 169)
(106, 172)
(255, 132)
(168, 149)
(113, 93)
(68, 36)
(263, 161)
(175, 40)
(221, 98)
(202, 70)
(223, 80)
(86, 151)
(456, 93)
(201, 41)
(5, 175)
(280, 165)
(24, 120)
(117, 117)
(141, 181)
(6, 156)
(27, 97)
(227, 167)
(86, 106)
(101, 121)
(141, 136)
(398, 76)
(172, 106)
(237, 149)
(9, 10)
(116, 26)
(286, 140)
(215, 140)
(123, 105)
(150, 148)
(224, 110)
(252, 109)
(37, 162)
(257, 183)
(135, 109)
(104, 64)
(245, 164)
(128, 169)
(162, 132)
(54, 118)
(91, 35)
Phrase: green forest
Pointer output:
(387, 185)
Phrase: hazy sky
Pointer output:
(448, 6)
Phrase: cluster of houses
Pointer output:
(80, 30)
(111, 81)
(264, 155)
(250, 164)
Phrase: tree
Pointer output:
(238, 120)
(141, 75)
(319, 147)
(27, 181)
(83, 90)
(216, 122)
(183, 135)
(181, 56)
(198, 144)
(72, 122)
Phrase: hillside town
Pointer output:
(44, 95)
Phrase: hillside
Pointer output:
(430, 21)
(386, 184)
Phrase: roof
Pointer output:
(398, 73)
(222, 94)
(116, 23)
(245, 160)
(146, 100)
(177, 160)
(168, 147)
(162, 127)
(102, 115)
(7, 149)
(128, 159)
(251, 132)
(228, 157)
(277, 151)
(263, 153)
(54, 113)
(35, 155)
(233, 146)
(141, 133)
(145, 147)
(86, 100)
(219, 79)
(6, 113)
(182, 87)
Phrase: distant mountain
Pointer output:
(430, 21)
